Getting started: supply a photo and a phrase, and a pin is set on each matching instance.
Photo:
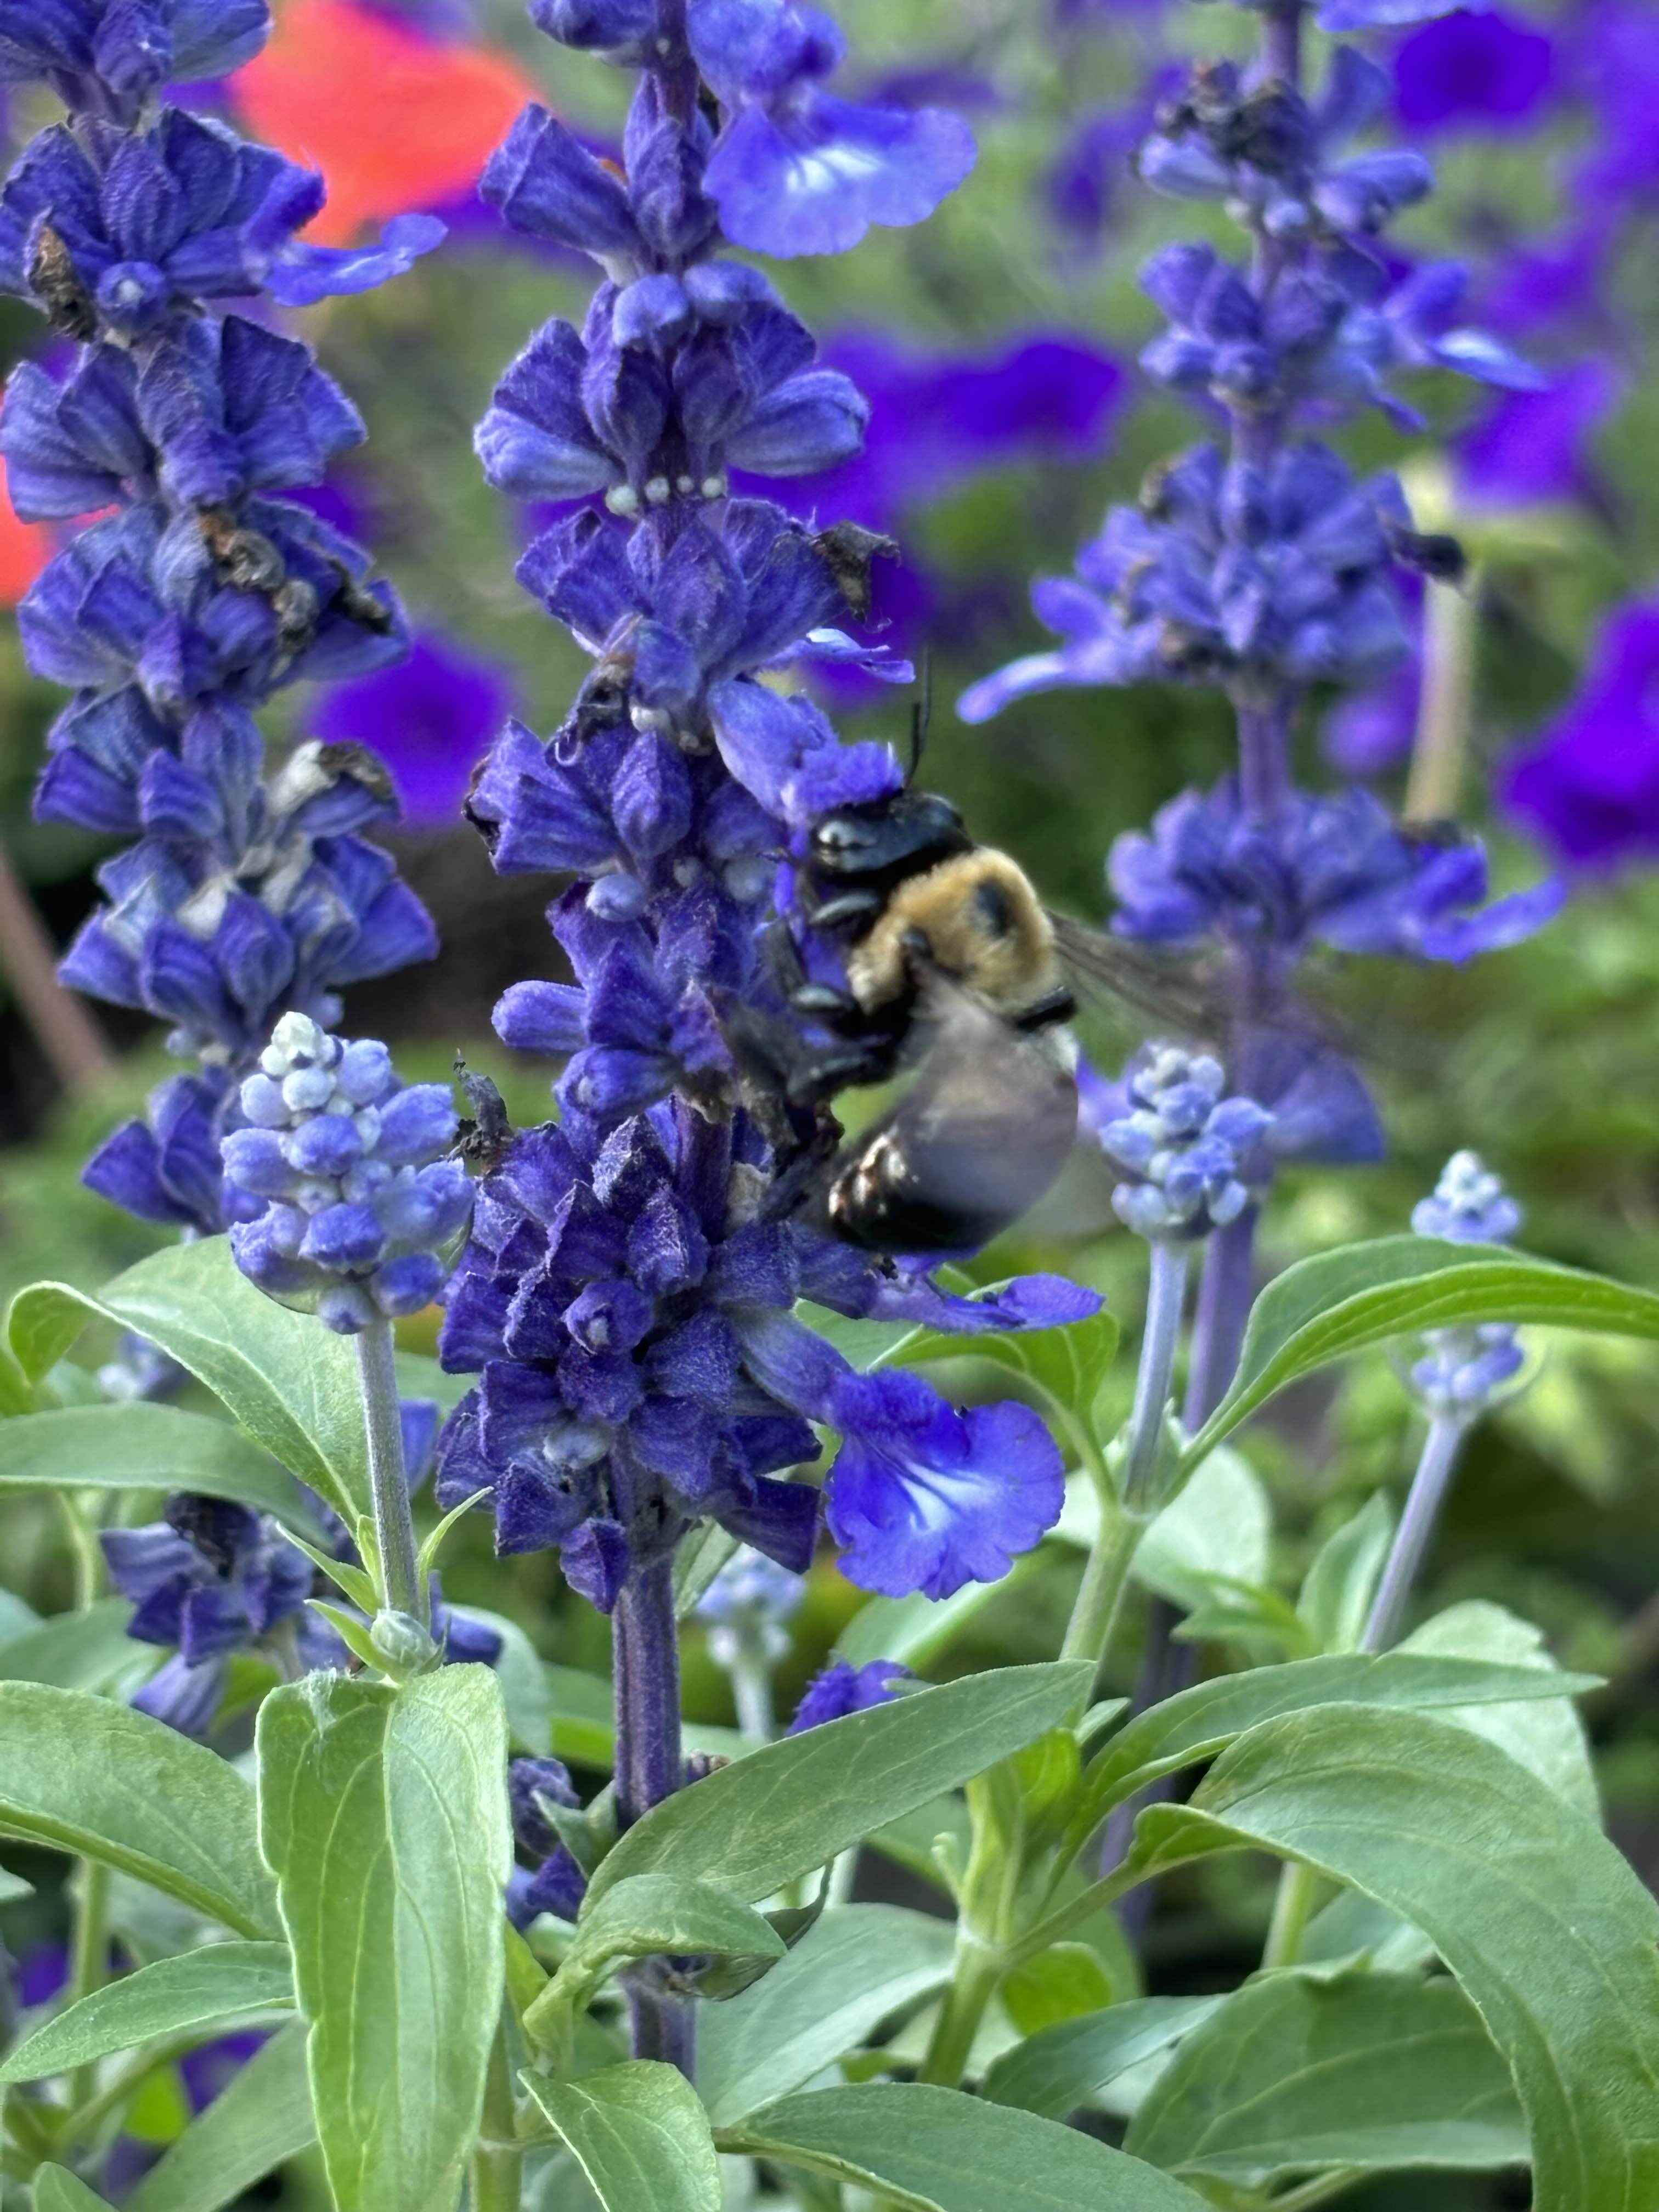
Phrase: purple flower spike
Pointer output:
(1337, 871)
(107, 58)
(198, 592)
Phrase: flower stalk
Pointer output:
(1424, 1502)
(403, 1588)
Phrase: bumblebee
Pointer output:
(956, 974)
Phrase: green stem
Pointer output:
(978, 1970)
(1073, 1913)
(498, 2161)
(1451, 619)
(81, 2120)
(402, 1588)
(1105, 1579)
(89, 1956)
(1300, 1889)
(1320, 2191)
(90, 1577)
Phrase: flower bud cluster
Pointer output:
(1463, 1370)
(360, 1202)
(1188, 1149)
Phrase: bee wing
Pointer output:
(1201, 999)
(1176, 990)
(982, 1133)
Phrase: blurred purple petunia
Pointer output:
(1590, 787)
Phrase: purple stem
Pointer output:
(1281, 42)
(1264, 752)
(1224, 1307)
(650, 1766)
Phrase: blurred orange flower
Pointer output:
(25, 549)
(393, 119)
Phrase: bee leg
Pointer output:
(817, 1076)
(1056, 1005)
(860, 907)
(826, 1003)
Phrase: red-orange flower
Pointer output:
(25, 549)
(393, 119)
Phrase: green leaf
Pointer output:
(651, 1915)
(1200, 1722)
(199, 1989)
(1550, 1934)
(584, 1725)
(916, 1629)
(1323, 1309)
(144, 1447)
(1062, 2067)
(789, 1808)
(698, 1561)
(292, 1385)
(1294, 2077)
(1335, 1601)
(77, 1650)
(1219, 1524)
(936, 2150)
(526, 1691)
(638, 2134)
(1060, 1984)
(383, 1811)
(55, 2191)
(1545, 1735)
(859, 1966)
(81, 1774)
(259, 2121)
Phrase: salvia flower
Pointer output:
(1225, 573)
(1337, 871)
(843, 1688)
(1463, 1370)
(555, 1883)
(626, 1297)
(200, 589)
(213, 1578)
(360, 1198)
(1185, 1147)
(108, 58)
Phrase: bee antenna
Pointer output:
(921, 713)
